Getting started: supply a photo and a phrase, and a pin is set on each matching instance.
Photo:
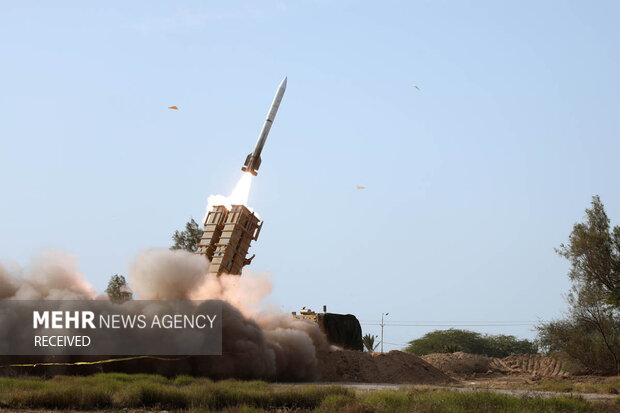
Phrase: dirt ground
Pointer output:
(392, 367)
(467, 365)
(527, 372)
(400, 367)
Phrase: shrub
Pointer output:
(451, 340)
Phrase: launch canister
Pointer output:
(252, 162)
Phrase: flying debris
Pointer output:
(173, 107)
(360, 187)
(416, 86)
(252, 162)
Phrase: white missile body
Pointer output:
(253, 160)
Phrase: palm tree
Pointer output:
(369, 343)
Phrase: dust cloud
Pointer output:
(256, 342)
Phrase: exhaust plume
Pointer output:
(53, 275)
(239, 196)
(268, 343)
(257, 343)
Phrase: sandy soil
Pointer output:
(392, 367)
(466, 365)
(521, 373)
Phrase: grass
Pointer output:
(123, 391)
(116, 390)
(576, 387)
(456, 402)
(608, 386)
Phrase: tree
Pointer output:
(439, 340)
(508, 345)
(369, 343)
(189, 238)
(591, 332)
(452, 340)
(117, 289)
(589, 335)
(594, 253)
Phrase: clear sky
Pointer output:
(471, 180)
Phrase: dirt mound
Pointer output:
(536, 364)
(464, 364)
(392, 367)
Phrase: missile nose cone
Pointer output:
(283, 84)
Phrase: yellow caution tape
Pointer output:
(81, 363)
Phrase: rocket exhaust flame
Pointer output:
(239, 195)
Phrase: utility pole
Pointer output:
(382, 324)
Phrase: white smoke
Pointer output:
(239, 195)
(162, 274)
(53, 275)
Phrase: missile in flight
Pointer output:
(252, 162)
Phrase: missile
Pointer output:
(252, 162)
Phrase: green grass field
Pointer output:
(122, 391)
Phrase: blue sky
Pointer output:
(471, 180)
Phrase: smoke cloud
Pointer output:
(267, 343)
(162, 274)
(256, 342)
(53, 275)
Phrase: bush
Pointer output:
(449, 341)
(582, 343)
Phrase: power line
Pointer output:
(450, 324)
(455, 322)
(395, 344)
